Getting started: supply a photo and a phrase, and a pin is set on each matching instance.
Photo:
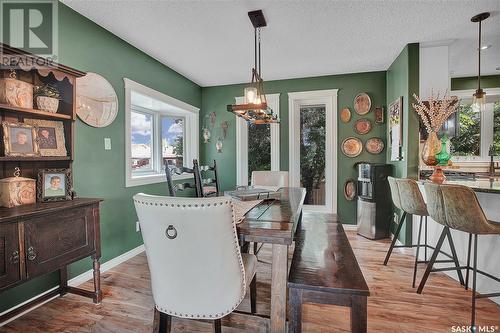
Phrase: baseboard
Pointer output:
(84, 277)
(352, 227)
(76, 281)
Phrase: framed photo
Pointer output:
(49, 136)
(379, 115)
(19, 139)
(54, 185)
(396, 128)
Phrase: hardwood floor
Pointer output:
(392, 307)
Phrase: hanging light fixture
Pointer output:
(479, 96)
(254, 108)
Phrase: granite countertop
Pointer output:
(478, 185)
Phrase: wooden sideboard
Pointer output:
(46, 237)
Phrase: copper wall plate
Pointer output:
(352, 147)
(350, 189)
(374, 145)
(362, 126)
(345, 115)
(362, 103)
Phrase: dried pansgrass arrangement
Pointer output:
(436, 111)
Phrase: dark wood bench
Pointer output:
(324, 270)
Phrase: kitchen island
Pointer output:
(488, 194)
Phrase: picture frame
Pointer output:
(50, 137)
(379, 115)
(396, 128)
(54, 185)
(25, 144)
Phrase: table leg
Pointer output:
(358, 314)
(295, 310)
(278, 288)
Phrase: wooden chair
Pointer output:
(188, 282)
(171, 170)
(210, 186)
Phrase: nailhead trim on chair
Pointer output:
(240, 260)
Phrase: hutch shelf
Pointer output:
(42, 238)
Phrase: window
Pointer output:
(477, 131)
(259, 148)
(496, 128)
(159, 130)
(468, 139)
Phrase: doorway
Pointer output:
(313, 142)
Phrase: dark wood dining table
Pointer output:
(274, 222)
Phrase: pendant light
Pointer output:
(479, 96)
(254, 108)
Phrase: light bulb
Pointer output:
(478, 101)
(250, 94)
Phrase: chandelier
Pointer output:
(254, 108)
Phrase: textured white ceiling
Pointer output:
(211, 42)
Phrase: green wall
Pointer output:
(462, 83)
(402, 80)
(215, 99)
(98, 172)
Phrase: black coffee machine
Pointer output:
(374, 213)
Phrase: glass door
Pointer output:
(312, 153)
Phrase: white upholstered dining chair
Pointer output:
(270, 178)
(197, 269)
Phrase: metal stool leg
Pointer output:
(432, 260)
(474, 273)
(425, 257)
(455, 258)
(468, 263)
(416, 256)
(396, 235)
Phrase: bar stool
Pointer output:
(406, 196)
(458, 206)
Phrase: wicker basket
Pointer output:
(49, 104)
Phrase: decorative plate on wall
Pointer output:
(362, 103)
(350, 189)
(352, 147)
(362, 126)
(345, 115)
(96, 100)
(374, 145)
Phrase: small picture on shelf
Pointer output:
(50, 137)
(54, 185)
(19, 139)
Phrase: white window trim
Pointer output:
(486, 132)
(191, 150)
(273, 100)
(329, 99)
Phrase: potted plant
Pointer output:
(47, 98)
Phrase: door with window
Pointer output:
(312, 138)
(257, 146)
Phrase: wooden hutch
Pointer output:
(41, 238)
